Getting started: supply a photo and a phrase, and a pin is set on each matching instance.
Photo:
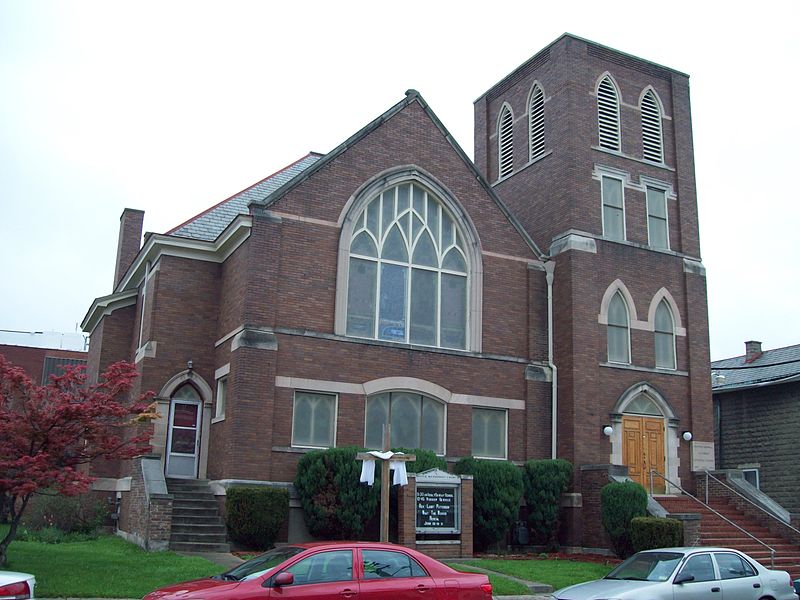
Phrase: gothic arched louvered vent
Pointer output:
(608, 114)
(652, 139)
(505, 142)
(536, 122)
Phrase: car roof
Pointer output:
(349, 544)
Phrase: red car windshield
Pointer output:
(260, 564)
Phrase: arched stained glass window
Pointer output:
(665, 337)
(618, 330)
(416, 421)
(408, 278)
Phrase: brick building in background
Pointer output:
(42, 354)
(547, 300)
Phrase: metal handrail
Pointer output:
(743, 497)
(724, 518)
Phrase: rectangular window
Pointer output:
(489, 428)
(657, 230)
(613, 209)
(222, 396)
(314, 420)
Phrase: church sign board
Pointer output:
(438, 502)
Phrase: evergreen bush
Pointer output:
(335, 504)
(497, 490)
(85, 513)
(254, 515)
(655, 532)
(426, 459)
(620, 503)
(545, 482)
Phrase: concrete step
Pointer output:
(200, 538)
(199, 528)
(192, 512)
(199, 547)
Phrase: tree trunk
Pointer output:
(16, 517)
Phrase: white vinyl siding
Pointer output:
(536, 122)
(652, 135)
(657, 225)
(613, 208)
(505, 143)
(608, 121)
(619, 348)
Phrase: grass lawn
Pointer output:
(108, 567)
(501, 586)
(556, 572)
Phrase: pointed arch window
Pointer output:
(664, 337)
(505, 142)
(652, 134)
(408, 275)
(619, 350)
(608, 115)
(536, 122)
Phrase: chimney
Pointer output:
(752, 351)
(130, 239)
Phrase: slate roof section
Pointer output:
(780, 365)
(209, 224)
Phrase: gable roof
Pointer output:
(780, 365)
(209, 224)
(262, 204)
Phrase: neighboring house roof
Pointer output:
(210, 223)
(780, 365)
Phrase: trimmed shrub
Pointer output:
(655, 532)
(335, 504)
(497, 489)
(426, 459)
(545, 482)
(85, 513)
(620, 503)
(254, 515)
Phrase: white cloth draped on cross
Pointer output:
(398, 466)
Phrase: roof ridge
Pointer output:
(240, 192)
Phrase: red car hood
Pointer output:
(187, 588)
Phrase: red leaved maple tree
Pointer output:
(48, 432)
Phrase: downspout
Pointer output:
(549, 267)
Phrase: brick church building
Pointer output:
(546, 300)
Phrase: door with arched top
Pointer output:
(183, 441)
(643, 443)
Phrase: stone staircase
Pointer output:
(196, 524)
(715, 531)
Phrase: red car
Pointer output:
(335, 570)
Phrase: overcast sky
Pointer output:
(171, 107)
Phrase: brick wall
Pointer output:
(31, 360)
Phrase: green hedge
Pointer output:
(83, 514)
(335, 504)
(254, 516)
(545, 482)
(655, 532)
(426, 459)
(497, 490)
(620, 503)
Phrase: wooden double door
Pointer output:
(643, 450)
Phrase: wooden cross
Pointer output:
(385, 477)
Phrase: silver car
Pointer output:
(686, 573)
